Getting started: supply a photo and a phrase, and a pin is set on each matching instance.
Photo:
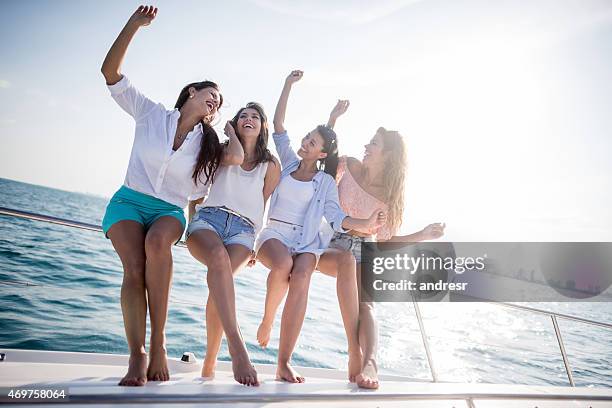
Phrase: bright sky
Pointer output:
(504, 105)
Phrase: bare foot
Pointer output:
(158, 365)
(369, 376)
(354, 363)
(263, 334)
(285, 372)
(208, 370)
(244, 372)
(137, 371)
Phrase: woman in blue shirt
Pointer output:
(292, 242)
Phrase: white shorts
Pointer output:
(289, 235)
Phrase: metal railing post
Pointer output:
(568, 369)
(417, 310)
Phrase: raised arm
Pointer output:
(111, 67)
(233, 153)
(281, 106)
(339, 110)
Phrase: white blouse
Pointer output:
(154, 168)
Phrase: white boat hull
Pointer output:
(91, 378)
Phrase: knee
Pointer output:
(134, 271)
(283, 266)
(217, 258)
(278, 274)
(300, 277)
(345, 262)
(156, 244)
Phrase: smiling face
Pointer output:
(374, 153)
(248, 124)
(206, 100)
(312, 146)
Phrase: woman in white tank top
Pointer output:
(222, 231)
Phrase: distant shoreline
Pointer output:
(56, 188)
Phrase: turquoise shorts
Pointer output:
(128, 204)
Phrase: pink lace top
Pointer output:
(358, 203)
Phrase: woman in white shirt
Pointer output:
(172, 151)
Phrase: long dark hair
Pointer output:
(211, 149)
(329, 164)
(262, 154)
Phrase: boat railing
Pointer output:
(554, 316)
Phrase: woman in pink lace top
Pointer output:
(376, 181)
(355, 200)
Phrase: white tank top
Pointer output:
(293, 199)
(240, 191)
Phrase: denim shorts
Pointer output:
(231, 228)
(349, 242)
(128, 204)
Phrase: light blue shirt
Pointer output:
(316, 233)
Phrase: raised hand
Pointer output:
(378, 218)
(229, 130)
(294, 76)
(143, 16)
(433, 231)
(339, 109)
(111, 67)
(281, 105)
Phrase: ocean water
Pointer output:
(59, 290)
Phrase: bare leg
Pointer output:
(158, 277)
(368, 338)
(239, 256)
(341, 264)
(128, 239)
(293, 315)
(207, 248)
(275, 256)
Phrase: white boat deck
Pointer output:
(90, 379)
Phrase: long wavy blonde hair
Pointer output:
(394, 175)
